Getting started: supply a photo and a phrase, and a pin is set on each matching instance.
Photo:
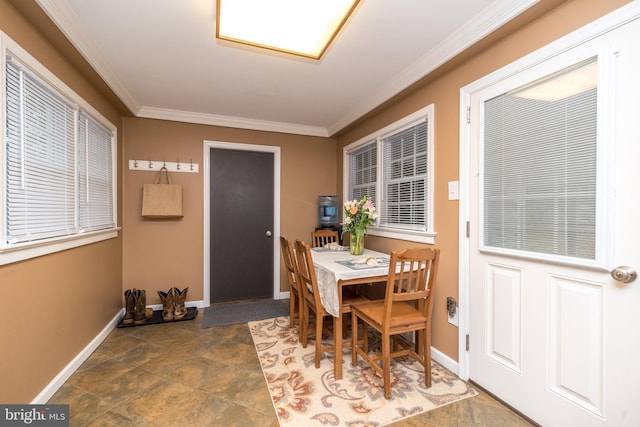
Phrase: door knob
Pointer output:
(624, 274)
(268, 233)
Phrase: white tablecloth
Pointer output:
(328, 272)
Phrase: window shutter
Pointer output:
(95, 175)
(40, 159)
(405, 179)
(539, 173)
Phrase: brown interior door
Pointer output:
(241, 188)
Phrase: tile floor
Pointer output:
(178, 374)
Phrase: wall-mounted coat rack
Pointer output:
(156, 165)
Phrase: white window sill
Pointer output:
(24, 251)
(408, 235)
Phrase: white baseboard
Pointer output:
(283, 295)
(68, 370)
(444, 360)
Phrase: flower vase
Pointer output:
(357, 242)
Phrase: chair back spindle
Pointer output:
(411, 274)
(306, 273)
(291, 270)
(322, 237)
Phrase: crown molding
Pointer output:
(499, 13)
(496, 15)
(66, 20)
(229, 121)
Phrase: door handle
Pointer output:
(624, 274)
(268, 233)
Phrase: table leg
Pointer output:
(337, 336)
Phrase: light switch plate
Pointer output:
(453, 190)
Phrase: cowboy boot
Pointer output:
(179, 296)
(140, 306)
(148, 311)
(167, 304)
(129, 304)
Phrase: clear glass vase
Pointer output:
(357, 242)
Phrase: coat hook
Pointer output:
(178, 164)
(191, 164)
(150, 165)
(164, 163)
(135, 163)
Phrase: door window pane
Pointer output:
(539, 168)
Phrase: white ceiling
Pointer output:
(163, 61)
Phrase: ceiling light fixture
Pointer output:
(299, 27)
(564, 84)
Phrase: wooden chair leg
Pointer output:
(354, 339)
(365, 338)
(292, 309)
(304, 325)
(319, 322)
(426, 353)
(386, 366)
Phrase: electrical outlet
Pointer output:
(452, 311)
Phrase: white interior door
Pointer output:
(550, 331)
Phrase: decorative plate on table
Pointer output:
(364, 263)
(331, 248)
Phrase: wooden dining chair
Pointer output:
(321, 237)
(406, 307)
(308, 284)
(295, 296)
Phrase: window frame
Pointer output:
(10, 253)
(424, 114)
(510, 80)
(529, 200)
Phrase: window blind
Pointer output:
(95, 174)
(40, 159)
(539, 173)
(363, 172)
(405, 180)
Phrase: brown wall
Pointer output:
(159, 254)
(444, 93)
(54, 305)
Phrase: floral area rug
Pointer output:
(305, 396)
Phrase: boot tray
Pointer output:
(192, 312)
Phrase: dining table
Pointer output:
(336, 269)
